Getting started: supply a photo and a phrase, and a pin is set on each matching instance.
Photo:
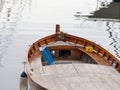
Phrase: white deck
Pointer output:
(77, 76)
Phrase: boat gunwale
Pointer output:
(33, 51)
(74, 39)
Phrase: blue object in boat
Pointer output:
(47, 55)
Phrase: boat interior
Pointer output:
(67, 53)
(66, 48)
(69, 62)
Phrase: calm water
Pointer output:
(39, 21)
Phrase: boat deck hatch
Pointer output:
(64, 53)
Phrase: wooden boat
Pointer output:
(73, 63)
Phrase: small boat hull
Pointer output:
(75, 60)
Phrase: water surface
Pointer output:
(39, 20)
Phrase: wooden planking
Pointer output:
(91, 68)
(79, 41)
(65, 70)
(75, 76)
(36, 67)
(99, 59)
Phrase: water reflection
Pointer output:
(6, 32)
(110, 11)
(10, 14)
(114, 33)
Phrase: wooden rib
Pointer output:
(76, 40)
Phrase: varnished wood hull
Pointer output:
(76, 45)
